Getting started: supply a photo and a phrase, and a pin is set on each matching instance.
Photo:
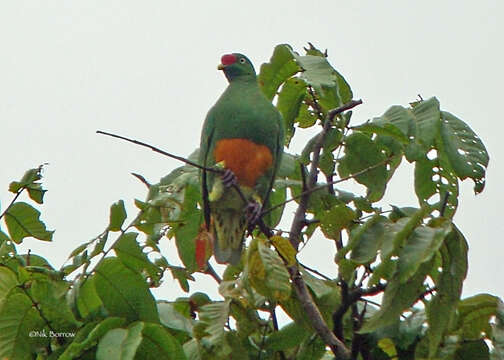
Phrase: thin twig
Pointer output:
(155, 149)
(320, 187)
(263, 338)
(13, 201)
(275, 327)
(173, 156)
(316, 272)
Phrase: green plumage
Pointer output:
(242, 112)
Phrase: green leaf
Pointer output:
(464, 149)
(289, 103)
(181, 275)
(214, 317)
(50, 297)
(385, 270)
(448, 287)
(29, 177)
(308, 149)
(192, 349)
(397, 116)
(88, 301)
(89, 336)
(285, 249)
(117, 216)
(498, 331)
(325, 293)
(3, 238)
(280, 67)
(420, 247)
(29, 182)
(306, 117)
(277, 197)
(185, 235)
(334, 220)
(362, 153)
(436, 176)
(396, 233)
(8, 282)
(288, 165)
(385, 129)
(331, 87)
(131, 254)
(427, 120)
(78, 250)
(311, 348)
(277, 279)
(158, 343)
(332, 139)
(18, 318)
(120, 343)
(100, 245)
(124, 292)
(425, 186)
(475, 313)
(388, 347)
(287, 337)
(23, 221)
(173, 319)
(365, 240)
(411, 328)
(326, 163)
(397, 298)
(470, 350)
(188, 228)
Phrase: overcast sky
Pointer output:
(147, 69)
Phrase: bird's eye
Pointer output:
(242, 60)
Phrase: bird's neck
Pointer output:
(243, 79)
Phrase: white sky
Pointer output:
(147, 69)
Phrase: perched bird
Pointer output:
(243, 132)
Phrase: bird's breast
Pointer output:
(246, 159)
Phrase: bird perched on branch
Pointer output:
(243, 133)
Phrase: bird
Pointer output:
(243, 134)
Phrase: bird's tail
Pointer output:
(228, 230)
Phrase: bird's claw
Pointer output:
(253, 211)
(229, 178)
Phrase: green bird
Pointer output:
(243, 132)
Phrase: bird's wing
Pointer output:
(206, 145)
(278, 156)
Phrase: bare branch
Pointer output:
(155, 149)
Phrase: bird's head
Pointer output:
(237, 66)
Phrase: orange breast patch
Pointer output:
(246, 159)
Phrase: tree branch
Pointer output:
(317, 321)
(320, 187)
(348, 299)
(299, 216)
(316, 272)
(155, 149)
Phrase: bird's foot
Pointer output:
(253, 212)
(229, 178)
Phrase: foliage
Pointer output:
(99, 305)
